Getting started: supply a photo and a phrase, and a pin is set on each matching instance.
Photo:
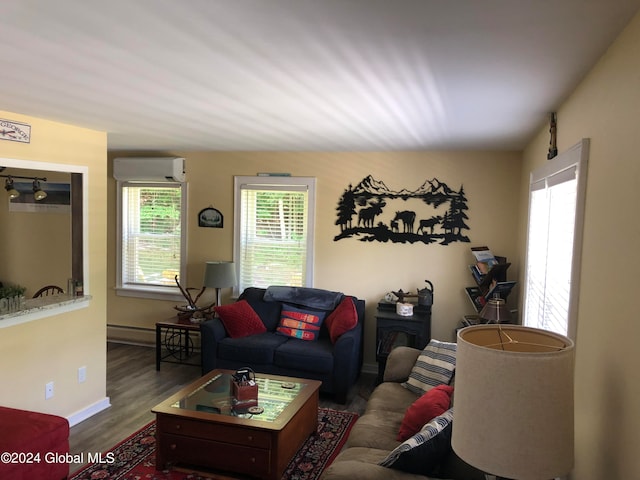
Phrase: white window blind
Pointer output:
(274, 235)
(151, 234)
(554, 241)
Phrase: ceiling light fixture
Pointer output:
(38, 193)
(11, 191)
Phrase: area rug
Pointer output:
(134, 457)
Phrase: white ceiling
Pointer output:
(302, 74)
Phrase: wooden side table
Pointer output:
(393, 330)
(175, 337)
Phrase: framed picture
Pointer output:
(210, 217)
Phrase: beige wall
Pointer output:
(605, 108)
(367, 270)
(53, 348)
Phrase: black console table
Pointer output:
(177, 342)
(393, 330)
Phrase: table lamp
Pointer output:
(513, 407)
(495, 311)
(219, 275)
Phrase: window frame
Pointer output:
(273, 182)
(574, 158)
(168, 292)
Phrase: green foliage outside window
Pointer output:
(160, 210)
(279, 215)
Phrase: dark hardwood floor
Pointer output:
(135, 387)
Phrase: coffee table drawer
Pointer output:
(217, 432)
(217, 455)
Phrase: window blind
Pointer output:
(273, 235)
(551, 235)
(151, 234)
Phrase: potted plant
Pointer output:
(11, 291)
(11, 298)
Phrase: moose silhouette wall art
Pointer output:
(431, 213)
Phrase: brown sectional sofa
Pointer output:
(373, 436)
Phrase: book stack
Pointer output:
(490, 274)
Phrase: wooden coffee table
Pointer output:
(198, 426)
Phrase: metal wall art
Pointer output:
(429, 214)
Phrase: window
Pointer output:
(152, 229)
(273, 231)
(554, 243)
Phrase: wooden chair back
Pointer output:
(48, 290)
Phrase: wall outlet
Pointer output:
(82, 374)
(48, 391)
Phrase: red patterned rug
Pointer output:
(134, 458)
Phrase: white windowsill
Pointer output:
(36, 308)
(155, 293)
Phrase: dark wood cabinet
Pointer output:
(393, 330)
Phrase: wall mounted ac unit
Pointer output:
(149, 169)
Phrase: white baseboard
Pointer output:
(89, 411)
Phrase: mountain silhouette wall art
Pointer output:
(432, 213)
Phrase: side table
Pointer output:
(393, 330)
(175, 337)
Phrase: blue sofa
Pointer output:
(337, 365)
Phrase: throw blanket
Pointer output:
(307, 297)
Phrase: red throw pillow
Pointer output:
(342, 319)
(240, 320)
(431, 404)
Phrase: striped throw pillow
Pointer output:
(300, 323)
(428, 432)
(435, 366)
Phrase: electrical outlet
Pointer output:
(82, 374)
(48, 391)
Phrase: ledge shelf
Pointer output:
(36, 308)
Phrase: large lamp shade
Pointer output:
(513, 408)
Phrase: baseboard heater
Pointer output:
(151, 332)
